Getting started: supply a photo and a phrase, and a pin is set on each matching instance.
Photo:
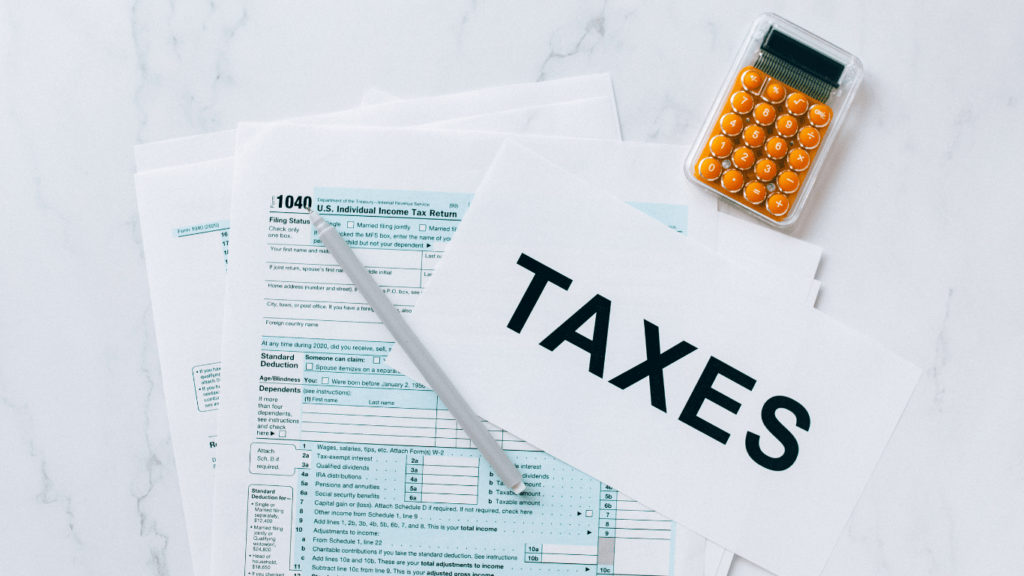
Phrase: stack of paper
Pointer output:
(299, 449)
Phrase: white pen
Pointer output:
(424, 362)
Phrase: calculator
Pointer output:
(768, 134)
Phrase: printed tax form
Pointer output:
(184, 213)
(374, 441)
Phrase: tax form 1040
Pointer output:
(352, 467)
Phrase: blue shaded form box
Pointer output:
(675, 216)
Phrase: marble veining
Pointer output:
(918, 214)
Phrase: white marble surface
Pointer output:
(919, 216)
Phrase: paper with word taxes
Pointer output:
(751, 419)
(305, 391)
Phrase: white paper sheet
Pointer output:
(587, 118)
(812, 297)
(780, 493)
(717, 560)
(743, 567)
(293, 160)
(184, 212)
(755, 245)
(375, 96)
(546, 120)
(204, 147)
(184, 215)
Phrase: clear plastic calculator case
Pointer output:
(774, 120)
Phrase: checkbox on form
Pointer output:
(423, 227)
(324, 380)
(309, 365)
(351, 224)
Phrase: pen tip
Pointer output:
(519, 487)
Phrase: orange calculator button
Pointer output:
(786, 126)
(741, 102)
(819, 116)
(809, 138)
(709, 169)
(765, 170)
(732, 180)
(752, 80)
(778, 204)
(720, 146)
(797, 103)
(788, 181)
(774, 93)
(754, 136)
(776, 148)
(731, 124)
(799, 160)
(764, 114)
(743, 158)
(755, 192)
